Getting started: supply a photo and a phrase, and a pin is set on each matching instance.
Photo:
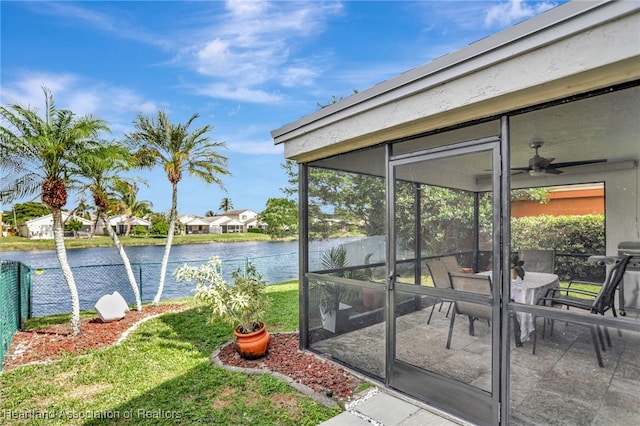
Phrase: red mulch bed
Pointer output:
(49, 343)
(303, 367)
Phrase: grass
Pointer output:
(161, 374)
(21, 243)
(593, 288)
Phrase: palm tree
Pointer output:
(40, 155)
(209, 213)
(82, 210)
(128, 203)
(175, 149)
(99, 170)
(226, 204)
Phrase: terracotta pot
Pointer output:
(371, 298)
(252, 345)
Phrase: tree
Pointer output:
(281, 217)
(160, 227)
(40, 155)
(83, 209)
(175, 149)
(226, 204)
(100, 169)
(210, 213)
(334, 99)
(72, 225)
(23, 212)
(128, 203)
(289, 167)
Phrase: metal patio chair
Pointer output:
(480, 284)
(595, 303)
(440, 277)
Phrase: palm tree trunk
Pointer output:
(92, 233)
(58, 239)
(125, 261)
(167, 247)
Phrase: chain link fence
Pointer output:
(50, 294)
(15, 284)
(36, 292)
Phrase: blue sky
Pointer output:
(246, 67)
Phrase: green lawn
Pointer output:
(161, 374)
(21, 243)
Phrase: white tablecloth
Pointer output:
(529, 290)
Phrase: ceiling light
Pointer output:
(537, 172)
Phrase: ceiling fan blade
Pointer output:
(574, 163)
(519, 171)
(552, 171)
(524, 169)
(545, 162)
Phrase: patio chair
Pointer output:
(451, 263)
(538, 260)
(480, 284)
(595, 303)
(440, 277)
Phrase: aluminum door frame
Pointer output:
(469, 402)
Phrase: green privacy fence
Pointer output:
(15, 289)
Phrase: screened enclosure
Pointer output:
(396, 212)
(409, 185)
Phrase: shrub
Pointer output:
(243, 303)
(160, 228)
(565, 234)
(139, 230)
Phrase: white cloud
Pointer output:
(117, 25)
(250, 139)
(215, 50)
(237, 93)
(251, 45)
(27, 91)
(239, 47)
(508, 13)
(82, 96)
(298, 76)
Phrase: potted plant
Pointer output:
(371, 298)
(243, 304)
(517, 269)
(333, 312)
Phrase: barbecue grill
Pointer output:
(630, 286)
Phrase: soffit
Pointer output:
(490, 83)
(599, 127)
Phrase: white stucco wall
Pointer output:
(622, 208)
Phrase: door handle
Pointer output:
(391, 279)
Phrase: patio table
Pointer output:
(529, 290)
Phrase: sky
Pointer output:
(246, 67)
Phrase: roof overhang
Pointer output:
(571, 49)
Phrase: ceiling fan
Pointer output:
(539, 166)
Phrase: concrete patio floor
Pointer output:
(561, 384)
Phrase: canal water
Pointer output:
(142, 254)
(98, 271)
